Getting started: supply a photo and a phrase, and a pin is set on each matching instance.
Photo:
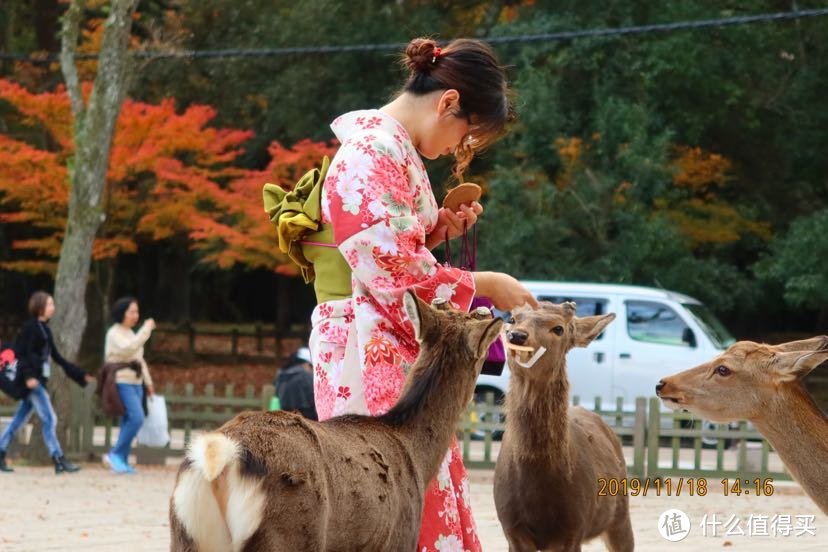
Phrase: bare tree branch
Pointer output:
(69, 45)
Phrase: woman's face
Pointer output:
(49, 309)
(443, 131)
(131, 315)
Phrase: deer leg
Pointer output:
(619, 537)
(520, 543)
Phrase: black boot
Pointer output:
(3, 466)
(63, 465)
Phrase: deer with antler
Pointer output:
(276, 482)
(552, 456)
(763, 384)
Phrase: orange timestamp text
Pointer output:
(698, 486)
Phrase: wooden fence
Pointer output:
(188, 342)
(656, 443)
(751, 459)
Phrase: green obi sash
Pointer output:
(333, 274)
(297, 215)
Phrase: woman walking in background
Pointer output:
(125, 345)
(34, 347)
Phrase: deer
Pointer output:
(277, 482)
(762, 384)
(546, 478)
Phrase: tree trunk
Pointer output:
(94, 125)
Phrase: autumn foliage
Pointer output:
(698, 211)
(170, 174)
(694, 204)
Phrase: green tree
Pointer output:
(798, 260)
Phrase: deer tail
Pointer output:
(218, 503)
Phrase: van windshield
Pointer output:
(711, 325)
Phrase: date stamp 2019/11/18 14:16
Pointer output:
(684, 486)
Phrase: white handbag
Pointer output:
(155, 432)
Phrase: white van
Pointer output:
(655, 333)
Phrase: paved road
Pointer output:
(98, 511)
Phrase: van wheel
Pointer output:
(480, 398)
(706, 442)
(711, 442)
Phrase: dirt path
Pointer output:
(98, 511)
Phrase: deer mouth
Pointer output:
(674, 403)
(523, 355)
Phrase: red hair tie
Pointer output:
(437, 52)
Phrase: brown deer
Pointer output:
(763, 384)
(276, 482)
(546, 478)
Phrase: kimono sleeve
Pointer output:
(378, 221)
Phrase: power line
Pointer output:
(379, 47)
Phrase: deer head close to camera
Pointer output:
(762, 384)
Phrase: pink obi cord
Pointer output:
(320, 244)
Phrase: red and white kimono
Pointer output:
(378, 199)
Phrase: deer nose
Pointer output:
(516, 337)
(659, 386)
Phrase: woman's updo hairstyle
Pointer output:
(470, 67)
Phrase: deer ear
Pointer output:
(590, 327)
(818, 343)
(415, 310)
(797, 364)
(484, 334)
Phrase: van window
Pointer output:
(655, 323)
(714, 329)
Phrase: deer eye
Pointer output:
(558, 330)
(723, 370)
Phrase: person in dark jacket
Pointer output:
(34, 347)
(294, 384)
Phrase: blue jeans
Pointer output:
(38, 400)
(131, 395)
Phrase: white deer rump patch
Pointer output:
(218, 527)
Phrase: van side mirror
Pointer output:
(687, 336)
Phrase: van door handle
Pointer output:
(598, 357)
(624, 355)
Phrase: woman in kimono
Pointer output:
(383, 217)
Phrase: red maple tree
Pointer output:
(170, 173)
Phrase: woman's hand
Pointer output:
(505, 292)
(31, 383)
(454, 223)
(150, 390)
(89, 378)
(150, 323)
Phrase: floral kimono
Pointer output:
(378, 199)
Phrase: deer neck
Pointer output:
(798, 430)
(537, 418)
(427, 413)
